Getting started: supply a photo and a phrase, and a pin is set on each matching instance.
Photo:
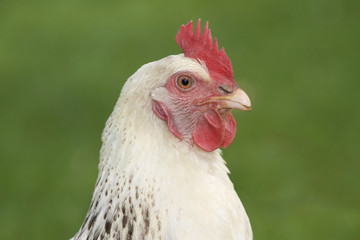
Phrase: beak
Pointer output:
(237, 100)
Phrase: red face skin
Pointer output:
(189, 118)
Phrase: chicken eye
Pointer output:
(184, 82)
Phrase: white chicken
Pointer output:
(161, 174)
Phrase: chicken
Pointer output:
(161, 174)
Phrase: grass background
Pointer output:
(294, 162)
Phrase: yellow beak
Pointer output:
(237, 100)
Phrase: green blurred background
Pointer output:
(294, 162)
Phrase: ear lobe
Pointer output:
(160, 111)
(163, 114)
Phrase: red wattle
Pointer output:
(213, 118)
(208, 133)
(230, 130)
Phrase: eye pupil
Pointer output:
(185, 81)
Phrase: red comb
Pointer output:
(200, 47)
